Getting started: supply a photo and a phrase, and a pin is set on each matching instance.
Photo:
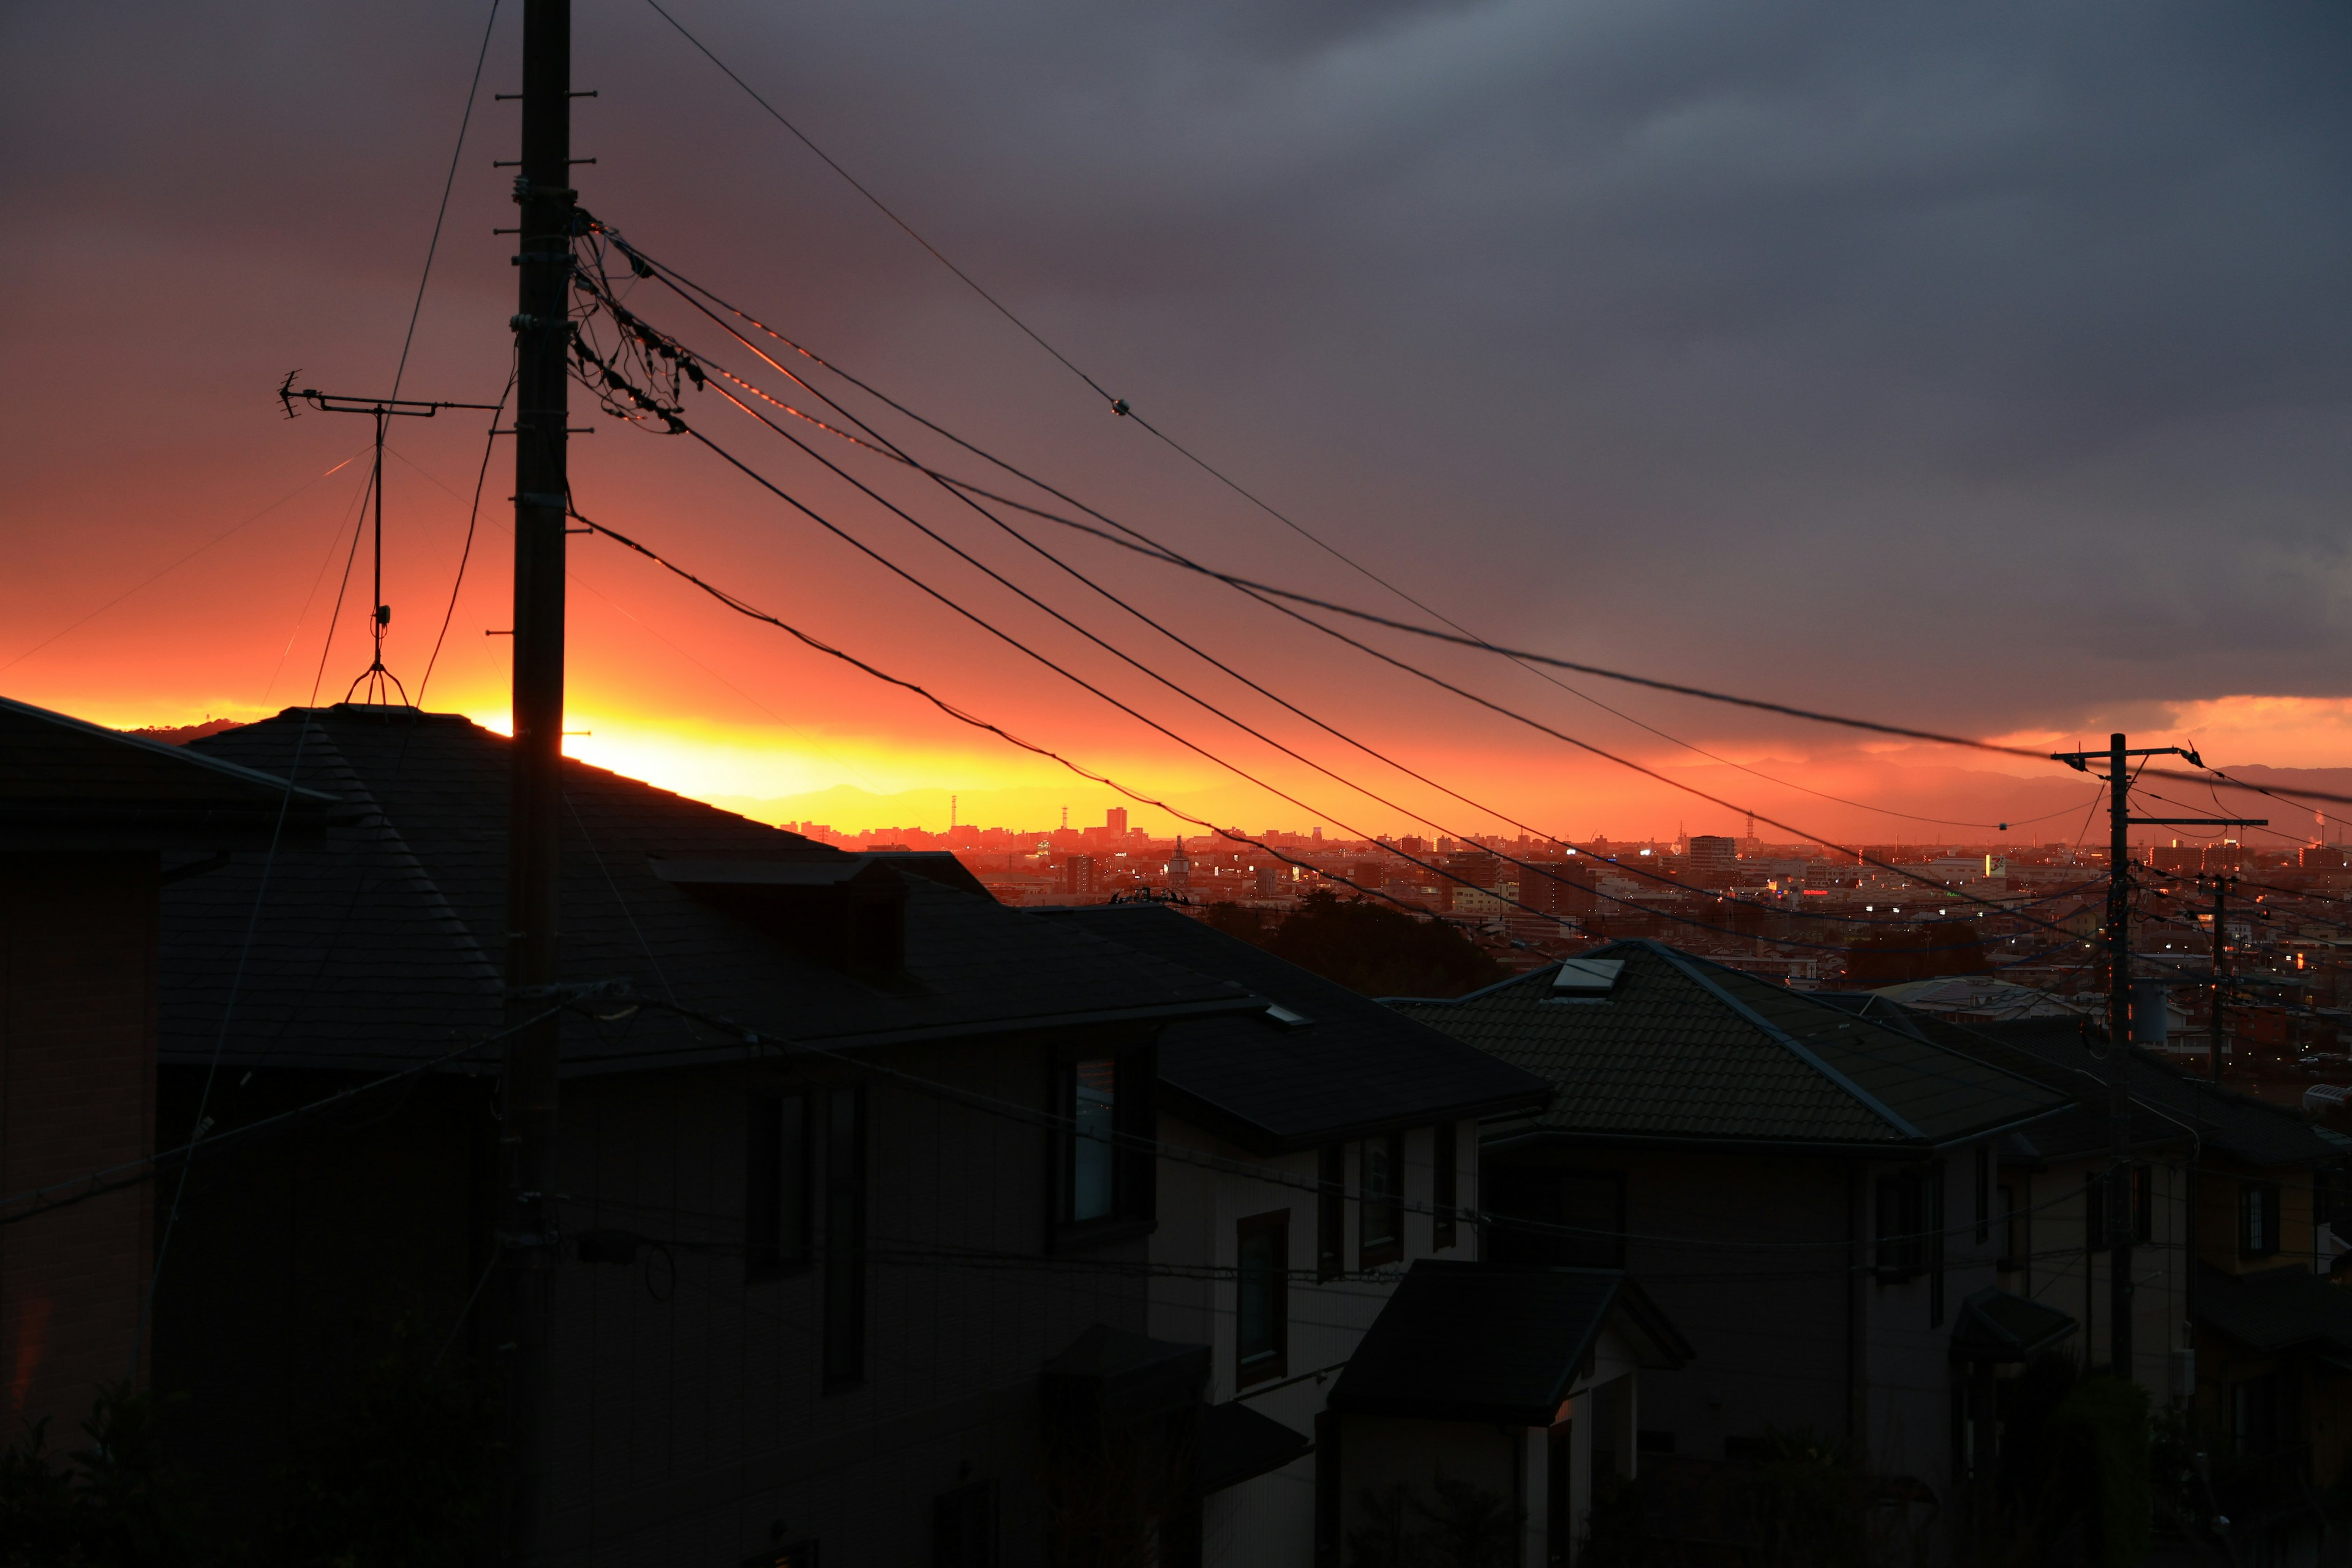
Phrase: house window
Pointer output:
(1261, 1307)
(844, 1238)
(1444, 1185)
(1931, 1226)
(1105, 1179)
(776, 1184)
(1984, 1191)
(2143, 1196)
(1094, 1148)
(1901, 1250)
(2258, 1218)
(1379, 1237)
(2012, 1232)
(1331, 1213)
(963, 1526)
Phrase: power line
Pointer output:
(632, 324)
(629, 401)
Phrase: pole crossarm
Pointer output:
(2081, 761)
(2199, 821)
(342, 402)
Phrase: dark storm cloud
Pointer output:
(1989, 358)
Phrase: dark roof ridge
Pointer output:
(182, 756)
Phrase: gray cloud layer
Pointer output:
(1985, 363)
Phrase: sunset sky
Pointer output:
(1978, 368)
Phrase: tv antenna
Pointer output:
(376, 677)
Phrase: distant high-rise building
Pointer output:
(1114, 819)
(1269, 881)
(1078, 875)
(1713, 861)
(1179, 870)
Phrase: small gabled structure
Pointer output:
(1317, 1149)
(1795, 1186)
(1524, 1384)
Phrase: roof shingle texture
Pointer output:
(2247, 1130)
(1358, 1067)
(379, 943)
(1683, 1049)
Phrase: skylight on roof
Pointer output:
(1277, 1013)
(1587, 976)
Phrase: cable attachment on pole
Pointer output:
(1118, 406)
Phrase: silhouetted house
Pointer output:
(92, 824)
(851, 1158)
(1791, 1184)
(1318, 1150)
(2257, 1195)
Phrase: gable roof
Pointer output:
(2079, 1133)
(1352, 1066)
(380, 945)
(1681, 1050)
(1466, 1341)
(2275, 1309)
(67, 784)
(2252, 1131)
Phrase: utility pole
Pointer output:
(2220, 959)
(528, 1232)
(2121, 1219)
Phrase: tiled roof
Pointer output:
(2082, 1131)
(1685, 1050)
(1353, 1066)
(380, 943)
(2250, 1131)
(1463, 1342)
(2283, 1309)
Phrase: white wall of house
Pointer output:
(1271, 1519)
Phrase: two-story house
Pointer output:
(1314, 1153)
(857, 1188)
(1803, 1191)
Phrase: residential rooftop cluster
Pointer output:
(987, 1203)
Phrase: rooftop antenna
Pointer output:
(383, 410)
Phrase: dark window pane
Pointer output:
(1094, 1156)
(1380, 1233)
(1331, 1213)
(775, 1166)
(1444, 1188)
(845, 1238)
(1261, 1309)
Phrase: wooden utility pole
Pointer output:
(2220, 959)
(2121, 1219)
(528, 1233)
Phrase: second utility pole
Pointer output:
(2122, 1206)
(527, 1226)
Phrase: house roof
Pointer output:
(1464, 1342)
(1340, 1066)
(1995, 1325)
(380, 945)
(2250, 1130)
(2275, 1310)
(65, 784)
(1238, 1444)
(2082, 1131)
(1680, 1051)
